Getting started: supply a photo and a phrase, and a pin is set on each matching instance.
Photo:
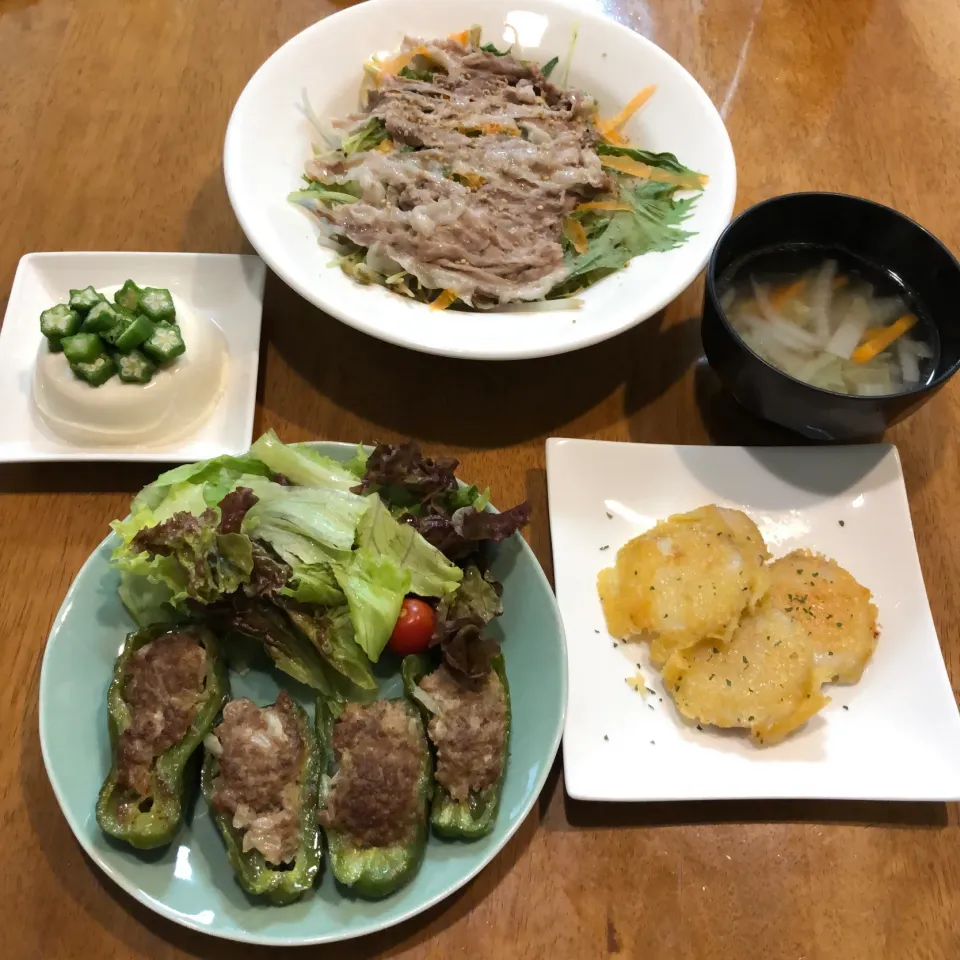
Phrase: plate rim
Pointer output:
(889, 451)
(178, 450)
(189, 922)
(331, 306)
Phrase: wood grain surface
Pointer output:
(112, 115)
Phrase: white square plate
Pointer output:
(898, 739)
(226, 288)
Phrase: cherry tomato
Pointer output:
(413, 629)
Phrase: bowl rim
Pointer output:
(710, 290)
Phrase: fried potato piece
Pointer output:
(763, 680)
(690, 577)
(836, 611)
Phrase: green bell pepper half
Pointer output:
(156, 818)
(473, 818)
(375, 872)
(258, 877)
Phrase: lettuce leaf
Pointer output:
(301, 465)
(314, 583)
(305, 524)
(333, 636)
(216, 477)
(189, 556)
(374, 587)
(431, 573)
(291, 651)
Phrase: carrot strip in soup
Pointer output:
(463, 37)
(867, 351)
(785, 294)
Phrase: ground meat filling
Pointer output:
(373, 797)
(501, 157)
(260, 753)
(468, 730)
(163, 684)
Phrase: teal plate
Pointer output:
(190, 882)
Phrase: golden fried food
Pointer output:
(691, 577)
(764, 679)
(836, 612)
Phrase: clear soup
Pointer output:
(831, 320)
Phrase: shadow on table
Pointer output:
(77, 477)
(728, 423)
(592, 815)
(472, 403)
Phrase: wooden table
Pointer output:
(112, 114)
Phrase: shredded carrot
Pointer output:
(611, 205)
(443, 301)
(870, 333)
(787, 293)
(384, 146)
(867, 351)
(473, 180)
(395, 64)
(637, 169)
(463, 37)
(614, 138)
(611, 128)
(574, 232)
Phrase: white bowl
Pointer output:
(268, 140)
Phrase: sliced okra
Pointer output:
(82, 347)
(97, 372)
(134, 367)
(157, 304)
(59, 321)
(164, 344)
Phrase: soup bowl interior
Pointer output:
(881, 237)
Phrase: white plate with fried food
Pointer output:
(746, 623)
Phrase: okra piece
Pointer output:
(100, 318)
(134, 333)
(82, 347)
(285, 882)
(164, 344)
(156, 303)
(97, 372)
(375, 856)
(141, 801)
(59, 321)
(114, 333)
(84, 300)
(134, 367)
(474, 817)
(128, 296)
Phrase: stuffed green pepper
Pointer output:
(468, 722)
(375, 795)
(260, 777)
(168, 686)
